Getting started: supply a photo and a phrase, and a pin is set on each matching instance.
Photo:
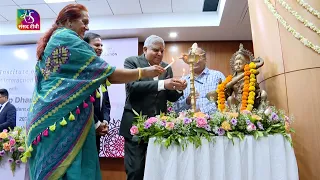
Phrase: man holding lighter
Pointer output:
(148, 96)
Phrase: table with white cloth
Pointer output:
(268, 158)
(6, 173)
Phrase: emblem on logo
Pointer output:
(28, 19)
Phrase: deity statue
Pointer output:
(234, 88)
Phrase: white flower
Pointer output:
(268, 111)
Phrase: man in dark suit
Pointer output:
(148, 96)
(101, 105)
(8, 112)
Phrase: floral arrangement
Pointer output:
(190, 127)
(12, 144)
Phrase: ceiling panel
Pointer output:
(97, 8)
(180, 6)
(22, 2)
(9, 12)
(42, 9)
(56, 7)
(6, 3)
(2, 19)
(156, 6)
(125, 7)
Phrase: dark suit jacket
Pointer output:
(104, 113)
(8, 117)
(143, 95)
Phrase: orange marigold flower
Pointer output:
(221, 106)
(245, 94)
(221, 93)
(229, 78)
(247, 73)
(246, 67)
(245, 89)
(246, 77)
(246, 82)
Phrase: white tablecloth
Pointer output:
(6, 173)
(269, 158)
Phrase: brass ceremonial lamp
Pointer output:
(192, 58)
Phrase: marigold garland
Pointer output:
(246, 85)
(252, 86)
(221, 93)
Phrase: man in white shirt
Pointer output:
(8, 112)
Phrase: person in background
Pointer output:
(148, 96)
(101, 105)
(8, 112)
(61, 137)
(206, 80)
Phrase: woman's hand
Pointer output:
(152, 71)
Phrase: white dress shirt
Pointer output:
(3, 105)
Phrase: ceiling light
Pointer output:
(173, 35)
(57, 1)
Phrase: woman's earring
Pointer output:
(70, 25)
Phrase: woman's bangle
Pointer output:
(140, 73)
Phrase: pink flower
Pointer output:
(12, 142)
(134, 130)
(169, 125)
(245, 112)
(152, 120)
(201, 122)
(21, 149)
(5, 130)
(287, 119)
(251, 127)
(182, 115)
